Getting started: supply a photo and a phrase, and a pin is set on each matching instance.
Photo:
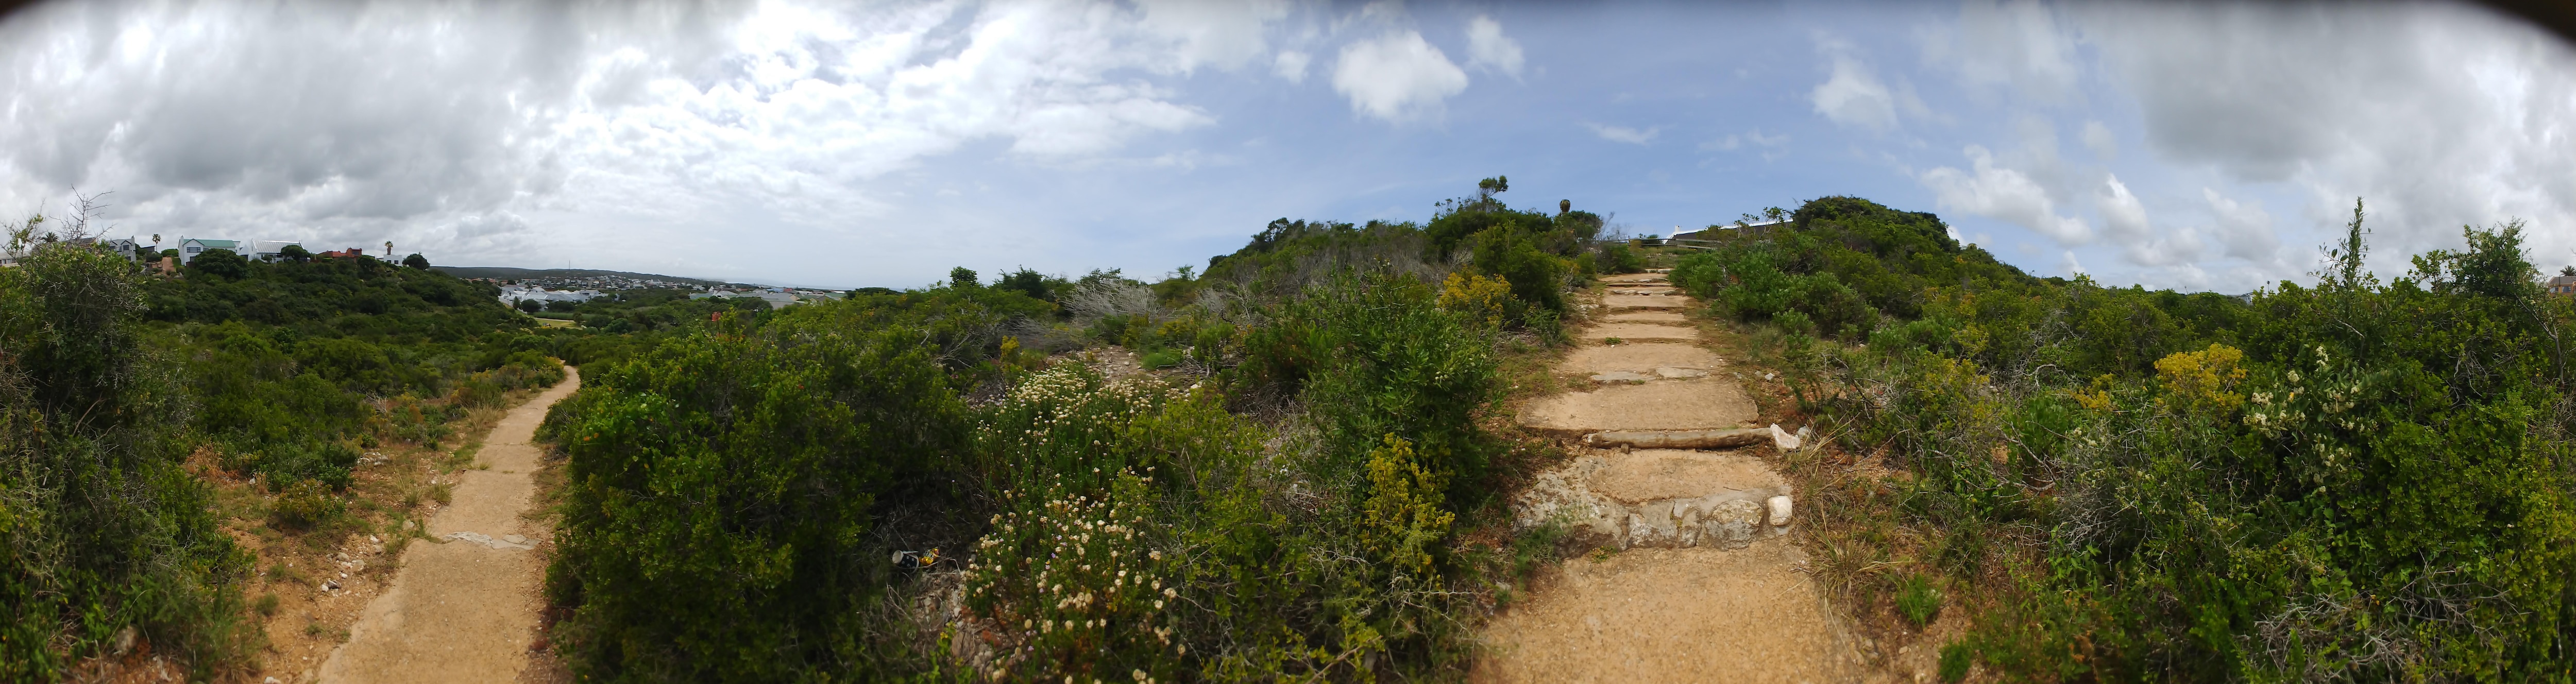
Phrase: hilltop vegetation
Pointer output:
(2349, 480)
(1288, 499)
(281, 375)
(2344, 479)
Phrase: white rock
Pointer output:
(514, 539)
(1620, 376)
(1782, 438)
(1780, 510)
(1671, 372)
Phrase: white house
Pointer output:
(513, 294)
(266, 250)
(189, 248)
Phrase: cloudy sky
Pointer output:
(854, 144)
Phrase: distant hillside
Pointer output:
(509, 273)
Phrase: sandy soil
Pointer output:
(465, 609)
(1674, 615)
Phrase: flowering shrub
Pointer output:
(1074, 585)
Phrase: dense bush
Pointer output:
(2349, 481)
(100, 528)
(719, 489)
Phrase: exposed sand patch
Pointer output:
(1674, 615)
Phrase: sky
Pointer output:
(2172, 145)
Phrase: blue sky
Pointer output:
(2192, 147)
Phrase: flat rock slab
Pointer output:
(1640, 331)
(1649, 474)
(1643, 302)
(1699, 404)
(1638, 358)
(1674, 615)
(1647, 317)
(1627, 278)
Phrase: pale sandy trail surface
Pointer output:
(1729, 611)
(464, 610)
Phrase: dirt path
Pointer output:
(1698, 581)
(464, 609)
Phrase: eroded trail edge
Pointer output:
(1699, 580)
(464, 609)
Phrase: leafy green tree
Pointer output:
(221, 263)
(961, 277)
(530, 305)
(416, 261)
(294, 253)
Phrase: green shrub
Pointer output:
(1918, 600)
(718, 495)
(101, 529)
(305, 505)
(1955, 661)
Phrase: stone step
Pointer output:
(1659, 498)
(1642, 357)
(1696, 404)
(1639, 331)
(1647, 317)
(1731, 438)
(1643, 302)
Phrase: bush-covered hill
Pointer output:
(1288, 499)
(2344, 480)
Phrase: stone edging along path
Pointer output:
(1703, 584)
(464, 609)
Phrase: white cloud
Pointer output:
(2099, 139)
(2124, 220)
(463, 130)
(1488, 48)
(2438, 114)
(1397, 76)
(2066, 262)
(1291, 65)
(2016, 44)
(1223, 34)
(2002, 193)
(1853, 95)
(2243, 228)
(1623, 134)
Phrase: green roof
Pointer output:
(217, 243)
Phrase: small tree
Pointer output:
(219, 262)
(416, 261)
(294, 253)
(961, 277)
(529, 305)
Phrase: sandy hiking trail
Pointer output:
(464, 609)
(1699, 580)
